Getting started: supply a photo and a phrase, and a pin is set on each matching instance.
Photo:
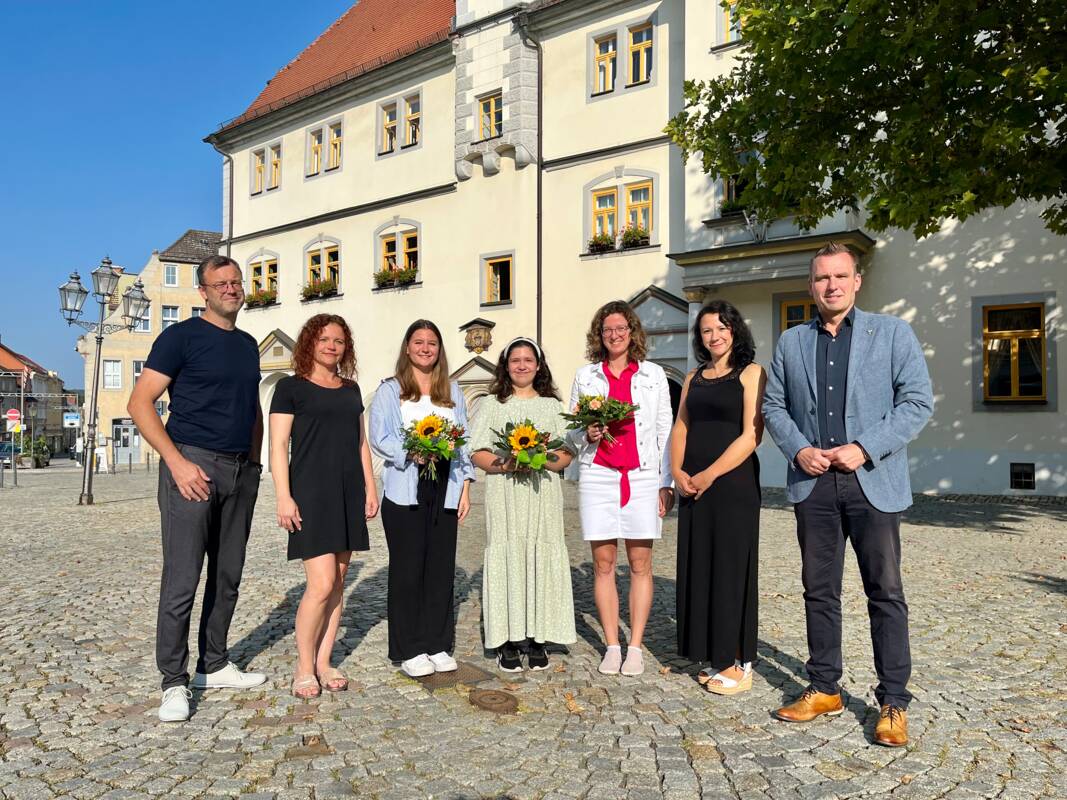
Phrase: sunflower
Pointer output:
(523, 436)
(430, 426)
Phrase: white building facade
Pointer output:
(501, 169)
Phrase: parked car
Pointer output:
(6, 449)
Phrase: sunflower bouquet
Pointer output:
(431, 439)
(595, 409)
(530, 448)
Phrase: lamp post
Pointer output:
(72, 297)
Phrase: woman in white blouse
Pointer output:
(624, 488)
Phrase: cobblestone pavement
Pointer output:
(986, 585)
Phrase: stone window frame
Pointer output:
(478, 98)
(321, 242)
(1053, 311)
(166, 275)
(621, 31)
(722, 29)
(163, 319)
(262, 254)
(265, 149)
(323, 127)
(400, 99)
(403, 225)
(116, 374)
(618, 179)
(784, 297)
(483, 279)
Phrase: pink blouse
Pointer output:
(622, 455)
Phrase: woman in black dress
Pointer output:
(325, 491)
(716, 472)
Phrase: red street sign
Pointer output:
(13, 414)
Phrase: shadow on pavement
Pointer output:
(1050, 583)
(280, 622)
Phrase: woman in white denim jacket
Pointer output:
(420, 516)
(624, 489)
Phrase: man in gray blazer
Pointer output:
(845, 394)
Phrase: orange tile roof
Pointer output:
(370, 34)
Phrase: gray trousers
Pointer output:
(218, 528)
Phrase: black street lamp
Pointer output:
(72, 296)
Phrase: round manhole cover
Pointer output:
(494, 700)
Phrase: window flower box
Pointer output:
(731, 208)
(319, 289)
(385, 278)
(601, 243)
(262, 298)
(634, 236)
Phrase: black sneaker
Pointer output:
(508, 658)
(536, 656)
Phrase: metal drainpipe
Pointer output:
(529, 40)
(229, 200)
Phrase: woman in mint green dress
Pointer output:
(526, 581)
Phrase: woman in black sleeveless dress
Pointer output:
(325, 488)
(716, 472)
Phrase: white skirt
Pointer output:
(598, 504)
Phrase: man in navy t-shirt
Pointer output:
(208, 478)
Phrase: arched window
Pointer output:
(397, 253)
(621, 210)
(261, 277)
(322, 268)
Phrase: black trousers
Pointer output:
(422, 573)
(217, 528)
(837, 510)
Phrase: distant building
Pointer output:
(169, 279)
(39, 395)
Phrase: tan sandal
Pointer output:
(305, 687)
(721, 684)
(330, 676)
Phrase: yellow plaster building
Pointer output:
(169, 279)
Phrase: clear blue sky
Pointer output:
(106, 104)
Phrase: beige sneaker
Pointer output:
(229, 677)
(634, 663)
(612, 661)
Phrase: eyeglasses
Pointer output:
(220, 285)
(619, 331)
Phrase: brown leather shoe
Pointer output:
(810, 705)
(892, 728)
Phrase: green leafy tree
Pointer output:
(915, 112)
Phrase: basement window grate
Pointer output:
(1022, 476)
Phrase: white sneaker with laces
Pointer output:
(418, 667)
(229, 677)
(175, 705)
(443, 662)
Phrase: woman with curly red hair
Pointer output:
(325, 490)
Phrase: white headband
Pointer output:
(524, 340)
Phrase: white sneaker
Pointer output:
(634, 663)
(418, 667)
(443, 662)
(175, 705)
(612, 661)
(229, 677)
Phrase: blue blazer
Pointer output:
(888, 400)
